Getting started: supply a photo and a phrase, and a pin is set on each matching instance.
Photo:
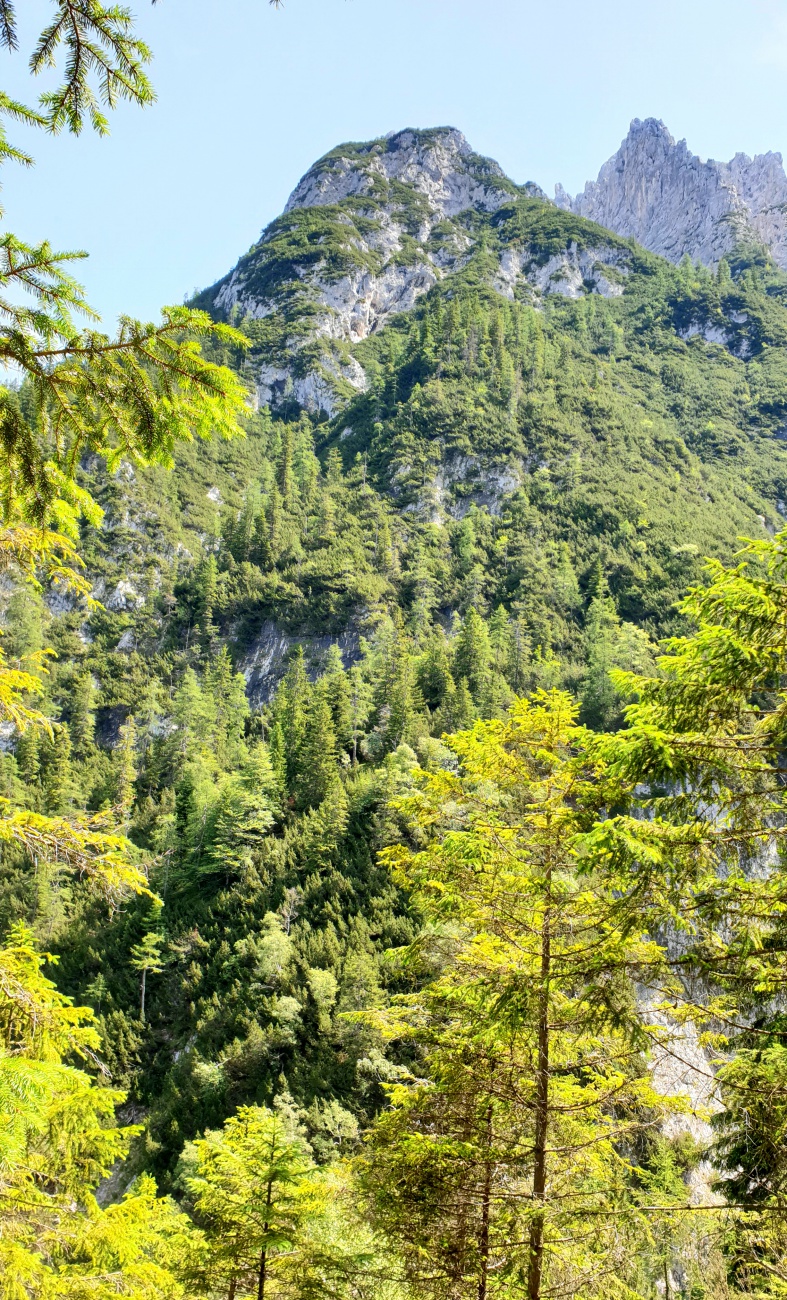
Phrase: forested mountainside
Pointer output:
(492, 444)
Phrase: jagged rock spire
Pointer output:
(674, 203)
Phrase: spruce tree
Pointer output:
(336, 686)
(473, 655)
(57, 775)
(433, 671)
(125, 774)
(509, 1140)
(245, 1183)
(207, 591)
(82, 718)
(317, 751)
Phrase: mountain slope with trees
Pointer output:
(296, 694)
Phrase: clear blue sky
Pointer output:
(250, 96)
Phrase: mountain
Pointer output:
(493, 443)
(674, 203)
(371, 228)
(367, 231)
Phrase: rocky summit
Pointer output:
(658, 192)
(372, 227)
(366, 232)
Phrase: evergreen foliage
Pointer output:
(422, 635)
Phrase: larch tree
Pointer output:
(705, 741)
(500, 1166)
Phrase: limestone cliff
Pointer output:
(672, 202)
(367, 231)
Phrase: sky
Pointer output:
(249, 96)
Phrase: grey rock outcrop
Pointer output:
(673, 202)
(389, 222)
(438, 164)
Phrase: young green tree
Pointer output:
(82, 718)
(473, 655)
(316, 758)
(147, 959)
(125, 763)
(252, 1188)
(609, 645)
(502, 1171)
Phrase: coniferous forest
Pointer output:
(392, 889)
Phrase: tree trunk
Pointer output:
(233, 1286)
(483, 1236)
(265, 1226)
(142, 997)
(541, 1118)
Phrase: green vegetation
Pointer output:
(382, 853)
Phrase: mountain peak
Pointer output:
(658, 192)
(437, 163)
(649, 126)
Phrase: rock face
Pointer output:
(373, 227)
(438, 164)
(367, 231)
(674, 203)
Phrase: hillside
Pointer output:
(492, 443)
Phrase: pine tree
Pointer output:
(705, 739)
(473, 654)
(486, 1174)
(519, 660)
(28, 757)
(601, 704)
(277, 748)
(194, 713)
(317, 752)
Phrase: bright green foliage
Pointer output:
(253, 1188)
(57, 1140)
(101, 47)
(486, 1173)
(707, 736)
(289, 625)
(610, 645)
(133, 395)
(472, 655)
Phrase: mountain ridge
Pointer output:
(374, 226)
(674, 203)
